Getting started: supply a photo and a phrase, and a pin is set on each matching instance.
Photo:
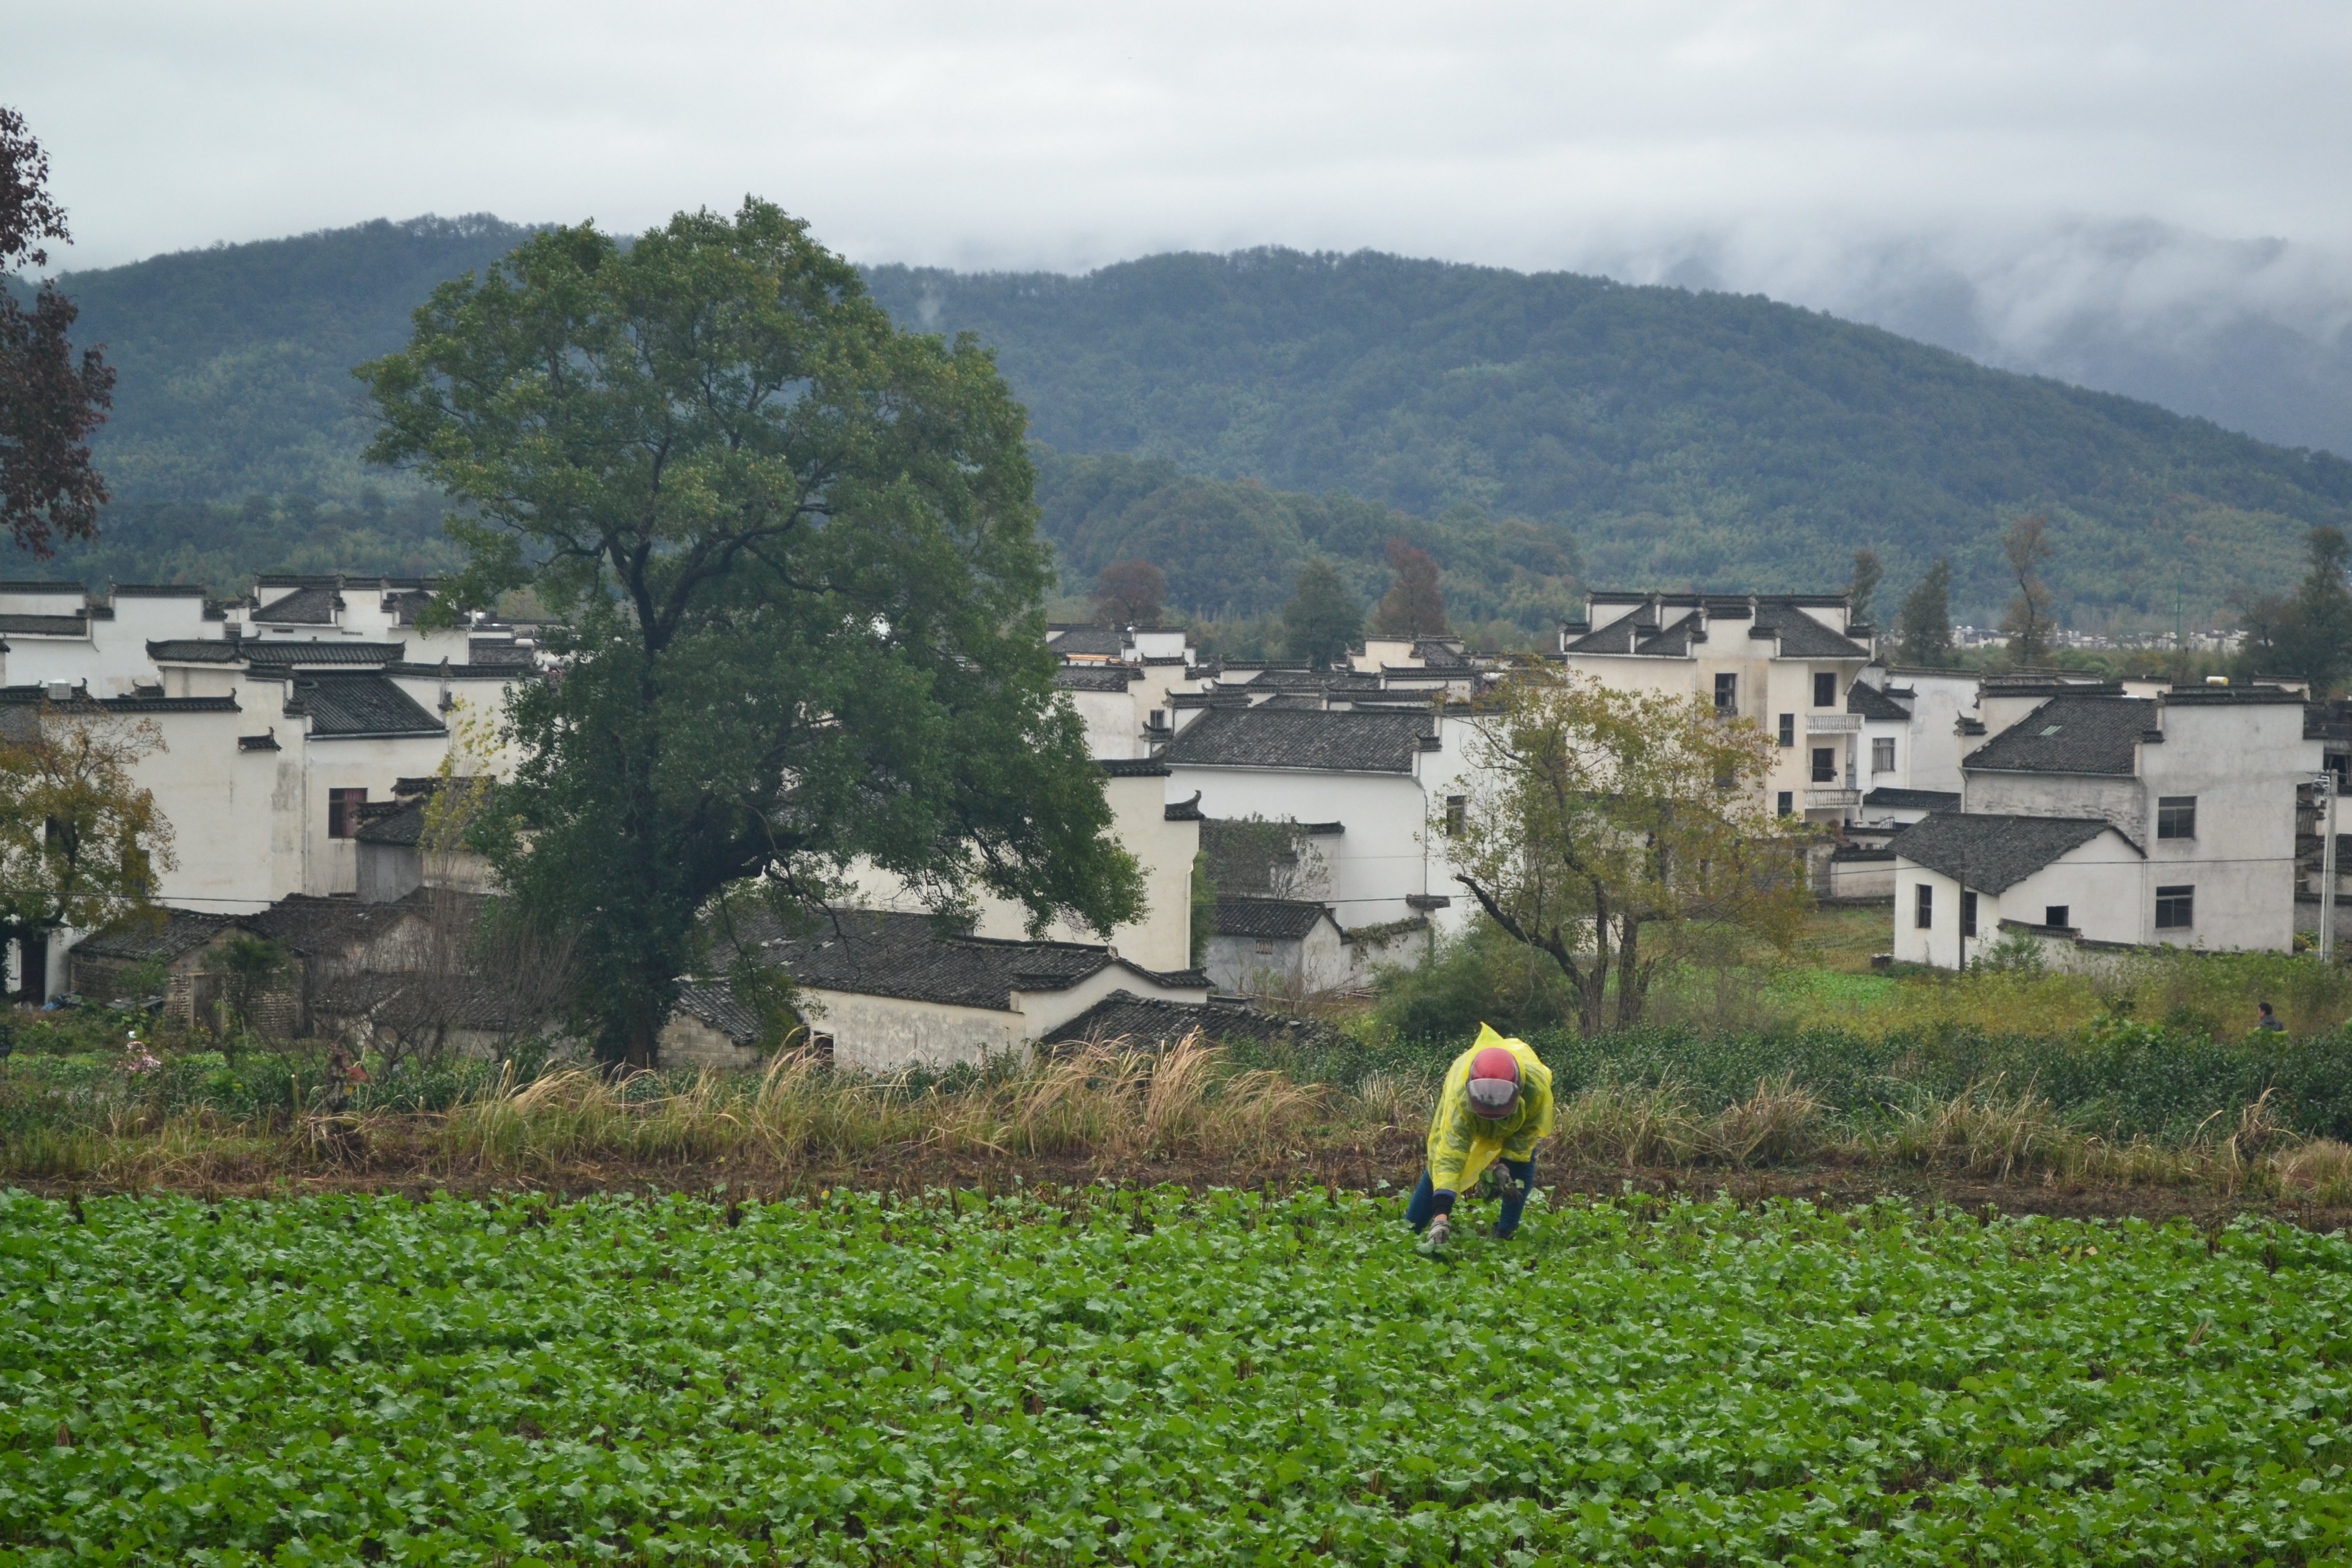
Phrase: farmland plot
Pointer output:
(1159, 1377)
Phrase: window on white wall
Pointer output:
(2176, 908)
(1923, 907)
(1882, 754)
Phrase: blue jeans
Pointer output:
(1428, 1203)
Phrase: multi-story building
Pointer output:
(1784, 662)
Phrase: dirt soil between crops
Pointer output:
(1391, 1163)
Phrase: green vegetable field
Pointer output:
(1159, 1377)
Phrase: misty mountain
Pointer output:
(1650, 433)
(1678, 438)
(2255, 335)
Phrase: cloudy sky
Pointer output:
(2145, 195)
(1025, 133)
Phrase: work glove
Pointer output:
(1507, 1186)
(1441, 1230)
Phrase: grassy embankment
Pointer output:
(1815, 1065)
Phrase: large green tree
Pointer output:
(796, 552)
(1322, 621)
(2308, 634)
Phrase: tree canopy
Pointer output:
(1614, 830)
(80, 840)
(797, 553)
(2308, 634)
(50, 398)
(1322, 620)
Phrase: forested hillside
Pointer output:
(1678, 438)
(1234, 548)
(1204, 412)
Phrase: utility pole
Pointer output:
(2322, 789)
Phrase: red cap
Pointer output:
(1494, 1085)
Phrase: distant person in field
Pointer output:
(1495, 1103)
(2268, 1022)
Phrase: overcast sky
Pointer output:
(1065, 135)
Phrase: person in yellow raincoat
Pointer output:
(1496, 1103)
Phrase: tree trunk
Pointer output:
(1632, 989)
(1592, 985)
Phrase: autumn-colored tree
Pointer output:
(49, 400)
(1130, 594)
(1414, 606)
(80, 842)
(2025, 545)
(1616, 829)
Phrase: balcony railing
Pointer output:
(1819, 799)
(1832, 723)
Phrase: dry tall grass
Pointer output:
(1120, 1107)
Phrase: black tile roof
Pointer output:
(873, 953)
(498, 650)
(1093, 677)
(1285, 920)
(714, 1003)
(1914, 799)
(415, 671)
(72, 625)
(395, 822)
(1802, 636)
(355, 705)
(1133, 767)
(328, 927)
(155, 591)
(1099, 641)
(280, 653)
(17, 696)
(1992, 854)
(1669, 627)
(178, 931)
(196, 651)
(1279, 738)
(1872, 703)
(1147, 1023)
(2071, 735)
(311, 606)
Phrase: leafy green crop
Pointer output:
(1159, 1378)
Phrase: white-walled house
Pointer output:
(1375, 783)
(883, 990)
(1958, 879)
(2199, 786)
(1784, 662)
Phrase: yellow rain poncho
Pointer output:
(1463, 1143)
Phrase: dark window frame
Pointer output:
(2176, 908)
(1786, 805)
(1923, 906)
(2059, 916)
(1825, 689)
(343, 812)
(1457, 813)
(1967, 912)
(2176, 816)
(1789, 730)
(1727, 696)
(1824, 773)
(1887, 743)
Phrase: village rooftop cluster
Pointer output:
(304, 729)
